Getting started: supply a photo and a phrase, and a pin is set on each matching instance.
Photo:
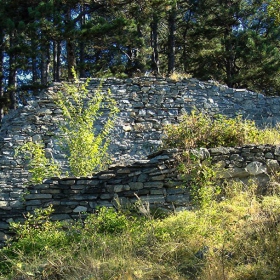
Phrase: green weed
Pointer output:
(39, 166)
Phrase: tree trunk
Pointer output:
(56, 60)
(82, 48)
(2, 103)
(45, 64)
(71, 59)
(12, 83)
(34, 70)
(229, 59)
(82, 60)
(139, 59)
(184, 53)
(70, 49)
(12, 75)
(154, 45)
(171, 40)
(34, 63)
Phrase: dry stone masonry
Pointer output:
(154, 180)
(146, 105)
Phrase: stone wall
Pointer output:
(154, 180)
(146, 105)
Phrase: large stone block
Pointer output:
(255, 168)
(136, 185)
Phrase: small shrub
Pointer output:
(39, 166)
(176, 76)
(38, 234)
(85, 147)
(107, 221)
(202, 130)
(200, 175)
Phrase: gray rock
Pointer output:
(256, 168)
(235, 172)
(136, 186)
(80, 209)
(272, 165)
(201, 153)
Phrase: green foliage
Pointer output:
(200, 175)
(39, 220)
(202, 130)
(219, 49)
(204, 188)
(39, 166)
(37, 235)
(198, 130)
(86, 148)
(273, 9)
(211, 41)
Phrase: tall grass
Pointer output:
(234, 238)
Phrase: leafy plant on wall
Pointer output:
(85, 147)
(39, 166)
